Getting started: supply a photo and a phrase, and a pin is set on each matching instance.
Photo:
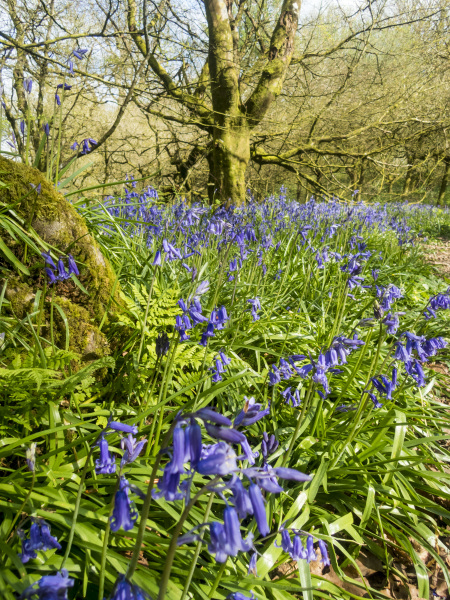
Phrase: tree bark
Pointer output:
(444, 182)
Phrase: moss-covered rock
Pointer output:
(57, 222)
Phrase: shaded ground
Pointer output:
(438, 254)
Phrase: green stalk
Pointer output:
(163, 397)
(144, 328)
(145, 511)
(51, 321)
(101, 585)
(19, 512)
(77, 508)
(197, 551)
(173, 542)
(215, 585)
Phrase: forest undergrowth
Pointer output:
(272, 409)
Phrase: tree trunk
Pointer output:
(444, 182)
(228, 163)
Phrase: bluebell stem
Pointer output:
(50, 587)
(124, 513)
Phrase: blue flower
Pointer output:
(124, 513)
(251, 413)
(252, 566)
(256, 305)
(241, 498)
(234, 542)
(31, 456)
(72, 265)
(132, 449)
(57, 100)
(51, 276)
(324, 552)
(298, 551)
(218, 459)
(125, 590)
(311, 553)
(157, 260)
(46, 128)
(48, 259)
(79, 53)
(169, 486)
(104, 465)
(193, 443)
(40, 539)
(50, 587)
(259, 511)
(27, 84)
(268, 445)
(122, 427)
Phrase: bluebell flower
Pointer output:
(74, 146)
(48, 259)
(40, 539)
(240, 595)
(251, 413)
(70, 65)
(376, 403)
(117, 426)
(268, 445)
(274, 375)
(176, 465)
(31, 456)
(51, 276)
(49, 541)
(415, 369)
(232, 436)
(210, 415)
(22, 127)
(79, 53)
(234, 541)
(218, 459)
(298, 551)
(62, 273)
(311, 553)
(387, 295)
(324, 552)
(46, 128)
(64, 86)
(124, 513)
(169, 486)
(437, 302)
(50, 587)
(157, 260)
(252, 565)
(286, 543)
(259, 511)
(241, 498)
(392, 322)
(256, 305)
(106, 464)
(225, 360)
(125, 590)
(27, 84)
(72, 265)
(57, 100)
(218, 541)
(193, 443)
(386, 386)
(132, 449)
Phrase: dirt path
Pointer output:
(438, 254)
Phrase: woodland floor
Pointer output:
(391, 585)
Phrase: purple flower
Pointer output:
(27, 84)
(124, 513)
(72, 266)
(169, 486)
(193, 443)
(64, 85)
(74, 146)
(79, 53)
(51, 276)
(259, 510)
(234, 542)
(241, 498)
(57, 99)
(324, 552)
(48, 259)
(298, 551)
(50, 587)
(31, 456)
(125, 590)
(252, 566)
(268, 445)
(104, 465)
(40, 539)
(122, 427)
(22, 127)
(311, 553)
(157, 260)
(218, 459)
(251, 413)
(132, 449)
(209, 414)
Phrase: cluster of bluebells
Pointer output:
(39, 539)
(326, 363)
(241, 487)
(58, 272)
(297, 550)
(437, 302)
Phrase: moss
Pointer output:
(85, 338)
(55, 219)
(20, 295)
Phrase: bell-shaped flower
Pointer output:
(324, 552)
(50, 587)
(105, 464)
(259, 510)
(218, 459)
(124, 513)
(132, 449)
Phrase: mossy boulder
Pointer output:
(57, 222)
